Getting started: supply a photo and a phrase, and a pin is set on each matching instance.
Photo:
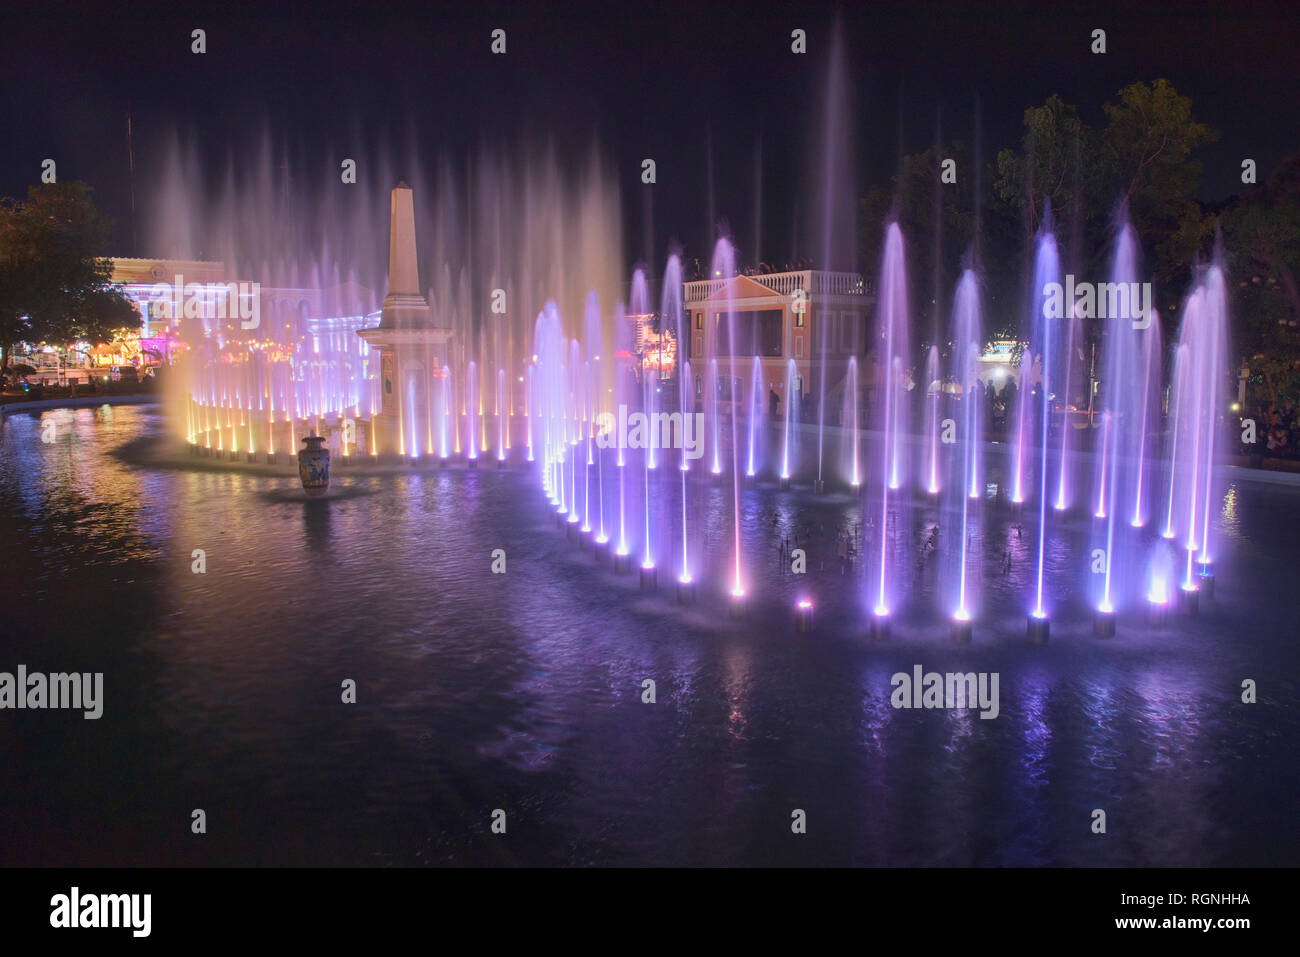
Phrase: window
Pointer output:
(699, 320)
(799, 316)
(699, 386)
(798, 347)
(758, 333)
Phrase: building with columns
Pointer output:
(778, 317)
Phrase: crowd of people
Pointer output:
(1276, 429)
(694, 270)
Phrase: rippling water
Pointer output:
(523, 691)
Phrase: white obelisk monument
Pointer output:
(412, 347)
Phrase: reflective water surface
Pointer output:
(523, 691)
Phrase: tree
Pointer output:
(1141, 161)
(102, 315)
(1146, 152)
(1261, 231)
(54, 284)
(1049, 166)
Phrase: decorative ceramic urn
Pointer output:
(314, 465)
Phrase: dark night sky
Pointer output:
(644, 80)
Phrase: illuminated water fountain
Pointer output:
(419, 389)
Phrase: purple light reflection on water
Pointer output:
(527, 685)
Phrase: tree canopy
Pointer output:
(54, 282)
(1261, 236)
(1141, 161)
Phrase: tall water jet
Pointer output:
(849, 447)
(1128, 325)
(1021, 414)
(453, 416)
(1065, 389)
(548, 352)
(624, 384)
(602, 535)
(528, 409)
(1213, 338)
(575, 394)
(471, 406)
(1148, 413)
(673, 316)
(1191, 543)
(446, 412)
(724, 264)
(1046, 338)
(1202, 347)
(588, 430)
(711, 389)
(685, 583)
(1178, 403)
(640, 309)
(933, 398)
(787, 452)
(837, 218)
(501, 416)
(890, 380)
(960, 509)
(647, 461)
(755, 416)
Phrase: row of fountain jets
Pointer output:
(1149, 480)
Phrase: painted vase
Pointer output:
(314, 465)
